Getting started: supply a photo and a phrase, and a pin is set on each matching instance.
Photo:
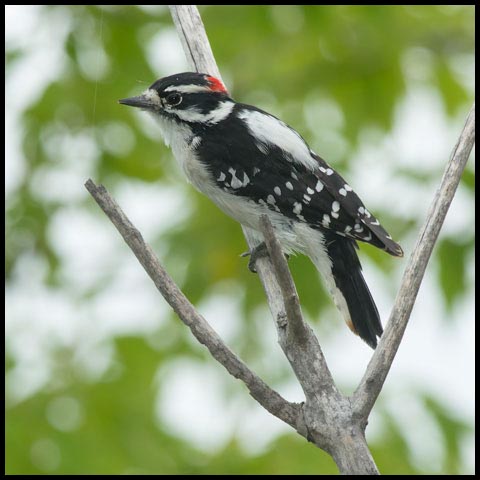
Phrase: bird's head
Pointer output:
(185, 97)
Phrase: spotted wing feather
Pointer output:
(351, 202)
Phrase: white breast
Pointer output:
(183, 143)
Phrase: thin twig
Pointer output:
(260, 391)
(372, 382)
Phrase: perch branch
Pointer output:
(372, 382)
(260, 391)
(297, 338)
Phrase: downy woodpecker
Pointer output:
(249, 163)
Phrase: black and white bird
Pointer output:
(249, 163)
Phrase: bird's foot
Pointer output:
(255, 253)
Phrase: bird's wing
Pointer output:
(351, 203)
(289, 178)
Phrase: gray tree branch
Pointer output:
(296, 338)
(372, 382)
(203, 332)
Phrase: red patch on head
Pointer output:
(216, 85)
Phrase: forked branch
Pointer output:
(204, 333)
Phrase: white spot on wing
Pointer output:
(319, 186)
(289, 185)
(277, 191)
(236, 183)
(297, 208)
(222, 177)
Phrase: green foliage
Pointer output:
(454, 255)
(362, 59)
(117, 434)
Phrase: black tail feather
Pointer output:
(347, 272)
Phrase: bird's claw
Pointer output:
(255, 253)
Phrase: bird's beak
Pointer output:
(141, 101)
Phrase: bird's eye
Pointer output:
(173, 99)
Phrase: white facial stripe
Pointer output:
(187, 88)
(271, 131)
(194, 115)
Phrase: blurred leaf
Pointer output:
(453, 254)
(453, 430)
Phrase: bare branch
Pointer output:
(194, 39)
(372, 382)
(296, 337)
(203, 332)
(284, 278)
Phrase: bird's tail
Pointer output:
(338, 263)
